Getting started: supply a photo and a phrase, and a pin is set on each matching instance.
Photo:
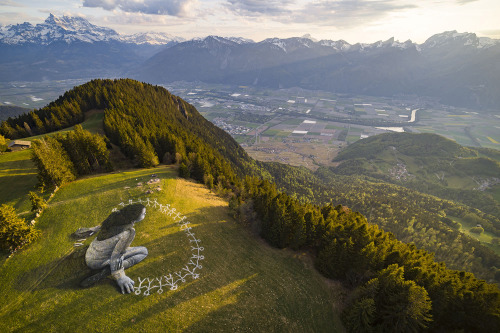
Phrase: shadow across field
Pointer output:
(68, 271)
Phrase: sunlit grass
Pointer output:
(17, 178)
(244, 285)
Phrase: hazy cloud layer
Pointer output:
(156, 7)
(348, 12)
(10, 3)
(463, 2)
(321, 12)
(259, 7)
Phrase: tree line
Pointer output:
(396, 286)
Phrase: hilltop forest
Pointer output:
(382, 255)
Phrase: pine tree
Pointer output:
(360, 316)
(39, 126)
(402, 305)
(14, 232)
(53, 163)
(3, 143)
(37, 203)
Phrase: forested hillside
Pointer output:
(396, 286)
(428, 163)
(149, 125)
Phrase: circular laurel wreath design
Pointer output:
(148, 285)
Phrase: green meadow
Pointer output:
(17, 178)
(244, 285)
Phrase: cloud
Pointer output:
(463, 2)
(259, 7)
(139, 19)
(10, 3)
(337, 13)
(347, 13)
(155, 7)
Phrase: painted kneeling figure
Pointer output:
(110, 251)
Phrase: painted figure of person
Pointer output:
(110, 251)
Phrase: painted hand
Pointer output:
(126, 284)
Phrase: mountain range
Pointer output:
(71, 47)
(455, 68)
(75, 29)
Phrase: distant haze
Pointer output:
(351, 20)
(455, 67)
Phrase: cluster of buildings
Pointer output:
(230, 128)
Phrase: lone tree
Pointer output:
(14, 232)
(37, 202)
(3, 143)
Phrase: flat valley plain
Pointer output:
(297, 126)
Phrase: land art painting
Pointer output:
(110, 254)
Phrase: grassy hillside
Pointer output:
(243, 284)
(18, 173)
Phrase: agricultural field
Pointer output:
(34, 95)
(240, 283)
(284, 125)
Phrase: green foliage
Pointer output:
(3, 144)
(449, 222)
(87, 151)
(184, 171)
(425, 144)
(359, 317)
(14, 232)
(435, 165)
(411, 216)
(477, 230)
(37, 203)
(54, 165)
(61, 158)
(208, 180)
(402, 305)
(403, 288)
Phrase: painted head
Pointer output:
(121, 220)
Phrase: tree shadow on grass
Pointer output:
(219, 277)
(236, 289)
(63, 273)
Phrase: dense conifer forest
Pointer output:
(396, 286)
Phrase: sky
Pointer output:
(355, 21)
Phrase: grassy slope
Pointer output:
(17, 178)
(18, 174)
(244, 285)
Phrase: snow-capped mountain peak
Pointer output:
(308, 36)
(240, 40)
(74, 29)
(152, 38)
(452, 38)
(56, 29)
